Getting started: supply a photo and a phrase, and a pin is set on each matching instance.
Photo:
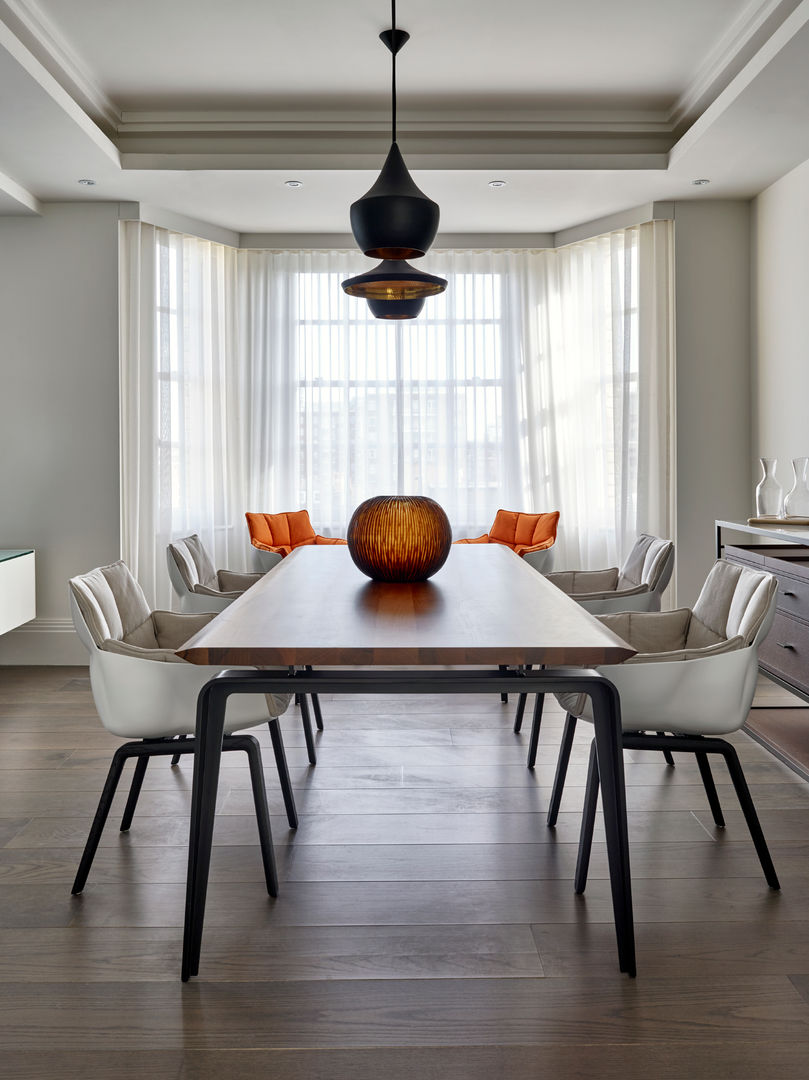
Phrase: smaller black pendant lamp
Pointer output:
(394, 221)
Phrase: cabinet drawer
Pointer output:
(793, 596)
(785, 651)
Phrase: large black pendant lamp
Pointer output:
(394, 221)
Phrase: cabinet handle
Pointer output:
(786, 592)
(785, 645)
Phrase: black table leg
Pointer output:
(208, 743)
(609, 749)
(209, 733)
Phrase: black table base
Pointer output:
(210, 729)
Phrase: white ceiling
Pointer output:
(585, 108)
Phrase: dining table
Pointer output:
(485, 623)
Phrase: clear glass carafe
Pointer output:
(796, 504)
(769, 492)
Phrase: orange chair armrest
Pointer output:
(329, 540)
(475, 540)
(536, 547)
(268, 547)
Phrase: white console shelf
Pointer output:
(17, 588)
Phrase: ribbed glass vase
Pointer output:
(399, 537)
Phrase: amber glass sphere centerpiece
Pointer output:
(399, 537)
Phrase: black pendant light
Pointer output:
(394, 221)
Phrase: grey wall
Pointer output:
(780, 370)
(712, 282)
(59, 488)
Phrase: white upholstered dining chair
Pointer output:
(199, 586)
(692, 681)
(638, 585)
(145, 693)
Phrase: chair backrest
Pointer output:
(516, 529)
(111, 605)
(733, 602)
(650, 563)
(285, 530)
(190, 564)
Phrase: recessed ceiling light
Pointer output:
(293, 183)
(87, 183)
(497, 183)
(700, 183)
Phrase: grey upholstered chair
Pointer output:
(638, 585)
(694, 676)
(144, 692)
(199, 586)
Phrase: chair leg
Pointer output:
(134, 791)
(249, 744)
(102, 812)
(561, 769)
(535, 726)
(176, 758)
(750, 815)
(710, 788)
(588, 819)
(307, 730)
(283, 772)
(316, 707)
(668, 757)
(521, 700)
(504, 697)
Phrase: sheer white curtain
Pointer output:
(539, 380)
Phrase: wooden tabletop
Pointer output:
(485, 606)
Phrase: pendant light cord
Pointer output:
(393, 70)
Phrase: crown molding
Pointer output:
(754, 25)
(27, 201)
(20, 52)
(36, 31)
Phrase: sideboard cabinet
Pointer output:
(17, 588)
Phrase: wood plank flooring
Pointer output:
(426, 925)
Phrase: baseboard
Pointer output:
(43, 641)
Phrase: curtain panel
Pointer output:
(540, 380)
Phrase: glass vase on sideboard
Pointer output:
(796, 504)
(769, 492)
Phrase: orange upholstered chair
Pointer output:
(523, 533)
(282, 533)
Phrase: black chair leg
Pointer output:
(134, 791)
(668, 757)
(750, 815)
(249, 744)
(535, 726)
(283, 772)
(521, 700)
(588, 819)
(316, 707)
(307, 730)
(102, 812)
(561, 769)
(504, 697)
(710, 789)
(176, 758)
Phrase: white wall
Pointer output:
(712, 281)
(780, 368)
(59, 489)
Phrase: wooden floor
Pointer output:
(426, 927)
